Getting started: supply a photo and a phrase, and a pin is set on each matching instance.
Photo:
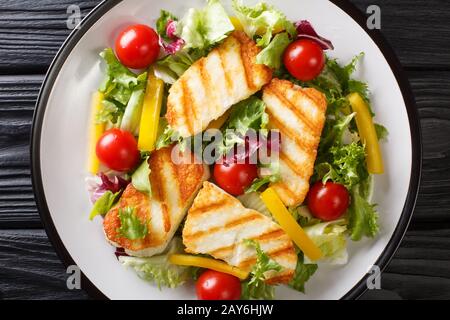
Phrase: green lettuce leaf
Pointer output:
(203, 28)
(159, 270)
(258, 290)
(382, 132)
(363, 219)
(104, 204)
(330, 237)
(131, 226)
(263, 21)
(132, 116)
(122, 91)
(303, 272)
(171, 67)
(141, 178)
(256, 287)
(271, 56)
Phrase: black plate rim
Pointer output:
(107, 5)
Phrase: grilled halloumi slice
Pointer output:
(214, 83)
(299, 114)
(174, 186)
(217, 224)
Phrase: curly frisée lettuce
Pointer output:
(247, 115)
(345, 165)
(122, 90)
(158, 269)
(256, 288)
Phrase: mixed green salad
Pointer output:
(129, 126)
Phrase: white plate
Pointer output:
(60, 132)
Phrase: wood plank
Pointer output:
(416, 30)
(32, 31)
(31, 270)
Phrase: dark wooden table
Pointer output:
(31, 31)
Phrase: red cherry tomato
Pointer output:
(328, 201)
(234, 178)
(118, 150)
(137, 46)
(304, 59)
(214, 285)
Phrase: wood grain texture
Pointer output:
(30, 269)
(31, 33)
(417, 30)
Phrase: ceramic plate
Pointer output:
(60, 135)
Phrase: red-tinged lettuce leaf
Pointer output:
(174, 46)
(306, 31)
(114, 184)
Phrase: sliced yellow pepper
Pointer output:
(96, 131)
(367, 133)
(151, 110)
(207, 263)
(219, 122)
(289, 225)
(237, 24)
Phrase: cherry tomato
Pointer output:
(214, 285)
(117, 149)
(304, 59)
(328, 201)
(137, 46)
(234, 178)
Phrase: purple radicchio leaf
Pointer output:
(306, 31)
(115, 184)
(171, 28)
(240, 154)
(177, 43)
(173, 47)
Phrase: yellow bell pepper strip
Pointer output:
(96, 131)
(368, 134)
(207, 263)
(237, 24)
(151, 110)
(289, 225)
(219, 122)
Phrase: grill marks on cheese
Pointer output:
(299, 114)
(214, 83)
(217, 224)
(173, 188)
